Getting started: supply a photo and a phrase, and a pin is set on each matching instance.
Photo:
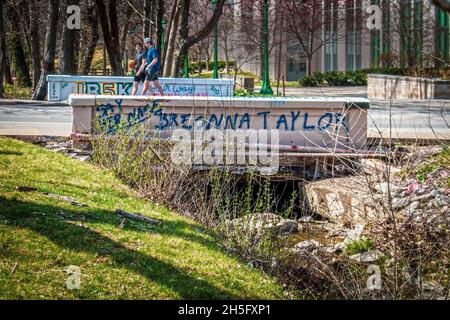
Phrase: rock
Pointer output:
(355, 235)
(367, 257)
(83, 158)
(262, 222)
(374, 167)
(399, 203)
(59, 149)
(306, 245)
(287, 226)
(385, 187)
(413, 206)
(351, 235)
(306, 219)
(346, 201)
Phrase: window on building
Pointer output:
(386, 35)
(331, 11)
(411, 30)
(353, 35)
(442, 36)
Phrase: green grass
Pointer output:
(440, 161)
(40, 236)
(359, 246)
(287, 84)
(15, 92)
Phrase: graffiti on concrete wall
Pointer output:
(106, 88)
(60, 87)
(111, 116)
(125, 88)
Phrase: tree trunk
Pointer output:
(124, 33)
(50, 47)
(172, 41)
(159, 24)
(2, 48)
(183, 34)
(35, 42)
(92, 41)
(67, 59)
(111, 37)
(186, 42)
(7, 69)
(20, 62)
(147, 17)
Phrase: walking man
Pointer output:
(139, 67)
(153, 66)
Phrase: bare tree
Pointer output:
(187, 41)
(69, 46)
(111, 35)
(92, 39)
(171, 41)
(2, 47)
(48, 67)
(35, 42)
(159, 23)
(20, 62)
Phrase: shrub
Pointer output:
(359, 77)
(359, 246)
(335, 78)
(194, 66)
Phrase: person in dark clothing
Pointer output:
(140, 62)
(153, 66)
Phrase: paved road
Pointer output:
(410, 119)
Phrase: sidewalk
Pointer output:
(17, 102)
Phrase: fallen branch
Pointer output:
(138, 217)
(68, 199)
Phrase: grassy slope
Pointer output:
(41, 236)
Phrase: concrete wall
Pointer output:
(385, 87)
(61, 86)
(302, 122)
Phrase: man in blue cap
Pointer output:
(153, 66)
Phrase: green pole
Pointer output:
(266, 89)
(216, 47)
(186, 65)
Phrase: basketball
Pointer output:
(132, 64)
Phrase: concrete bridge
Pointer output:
(305, 127)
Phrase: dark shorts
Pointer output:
(152, 76)
(140, 78)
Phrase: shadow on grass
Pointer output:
(70, 236)
(10, 153)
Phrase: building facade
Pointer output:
(346, 35)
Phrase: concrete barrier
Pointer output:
(242, 82)
(61, 86)
(314, 123)
(386, 87)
